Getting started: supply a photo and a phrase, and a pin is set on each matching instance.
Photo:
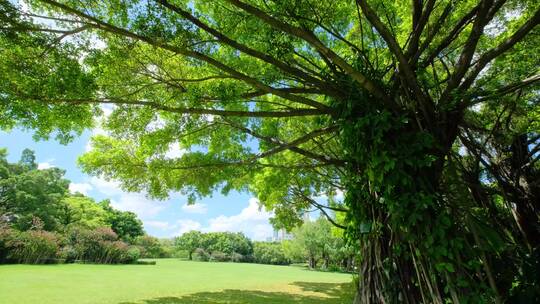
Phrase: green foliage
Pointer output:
(189, 242)
(27, 193)
(124, 223)
(31, 247)
(151, 247)
(269, 253)
(36, 68)
(228, 246)
(218, 256)
(100, 246)
(82, 211)
(314, 242)
(201, 255)
(37, 213)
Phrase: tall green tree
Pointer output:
(27, 193)
(125, 224)
(79, 210)
(316, 240)
(291, 99)
(190, 241)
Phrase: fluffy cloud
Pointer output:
(45, 165)
(139, 204)
(106, 187)
(135, 202)
(252, 221)
(195, 208)
(80, 187)
(187, 225)
(174, 151)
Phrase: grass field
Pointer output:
(170, 282)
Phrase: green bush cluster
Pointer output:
(30, 247)
(269, 253)
(42, 222)
(215, 246)
(100, 245)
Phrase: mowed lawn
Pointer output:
(171, 281)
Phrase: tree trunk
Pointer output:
(312, 262)
(526, 183)
(396, 263)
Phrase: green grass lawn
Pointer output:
(171, 281)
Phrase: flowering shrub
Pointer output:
(32, 247)
(100, 246)
(5, 234)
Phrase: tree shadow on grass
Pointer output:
(327, 293)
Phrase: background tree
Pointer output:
(151, 247)
(316, 241)
(269, 253)
(189, 241)
(290, 99)
(27, 193)
(79, 210)
(125, 224)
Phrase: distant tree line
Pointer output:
(41, 221)
(315, 243)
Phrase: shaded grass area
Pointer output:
(171, 282)
(329, 293)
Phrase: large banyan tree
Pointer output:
(423, 113)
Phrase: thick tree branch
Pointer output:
(252, 52)
(293, 147)
(493, 53)
(310, 38)
(181, 110)
(408, 74)
(190, 53)
(511, 88)
(458, 28)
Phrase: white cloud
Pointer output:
(107, 109)
(187, 225)
(80, 187)
(252, 221)
(138, 204)
(174, 151)
(45, 165)
(195, 208)
(339, 195)
(106, 187)
(135, 202)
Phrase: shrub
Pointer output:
(151, 247)
(237, 257)
(100, 246)
(33, 247)
(68, 254)
(218, 256)
(5, 235)
(179, 254)
(269, 253)
(131, 255)
(201, 255)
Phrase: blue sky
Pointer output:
(235, 212)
